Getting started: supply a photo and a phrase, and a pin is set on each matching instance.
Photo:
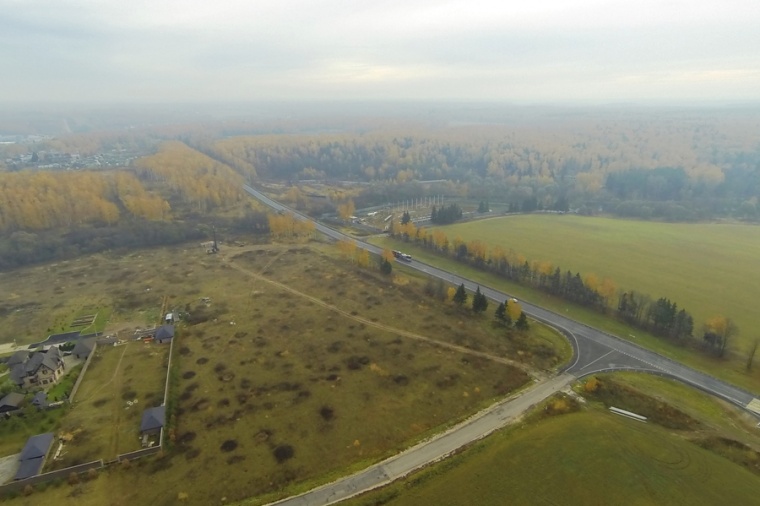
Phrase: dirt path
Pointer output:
(388, 328)
(113, 376)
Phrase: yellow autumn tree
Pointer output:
(514, 309)
(347, 249)
(346, 210)
(362, 258)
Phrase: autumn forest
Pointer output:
(671, 164)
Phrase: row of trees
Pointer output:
(662, 317)
(286, 225)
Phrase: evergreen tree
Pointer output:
(479, 302)
(405, 218)
(460, 297)
(501, 312)
(385, 266)
(522, 322)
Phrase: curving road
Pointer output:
(593, 351)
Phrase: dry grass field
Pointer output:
(293, 366)
(104, 420)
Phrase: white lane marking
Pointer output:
(597, 360)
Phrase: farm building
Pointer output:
(33, 456)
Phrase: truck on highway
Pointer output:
(402, 256)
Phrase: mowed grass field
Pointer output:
(104, 420)
(708, 269)
(584, 458)
(294, 367)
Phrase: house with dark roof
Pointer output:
(11, 402)
(18, 357)
(152, 421)
(164, 334)
(33, 455)
(83, 348)
(41, 368)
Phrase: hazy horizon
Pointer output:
(588, 52)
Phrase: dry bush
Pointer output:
(592, 385)
(73, 478)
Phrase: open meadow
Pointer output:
(709, 269)
(291, 366)
(591, 456)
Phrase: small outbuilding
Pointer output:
(33, 456)
(164, 334)
(83, 348)
(11, 402)
(40, 400)
(153, 420)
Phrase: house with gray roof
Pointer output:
(153, 420)
(83, 348)
(33, 455)
(11, 402)
(40, 369)
(18, 357)
(164, 334)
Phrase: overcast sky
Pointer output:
(519, 51)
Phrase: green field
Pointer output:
(708, 269)
(585, 458)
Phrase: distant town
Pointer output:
(53, 159)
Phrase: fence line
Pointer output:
(81, 373)
(166, 389)
(138, 453)
(16, 486)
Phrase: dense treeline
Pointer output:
(48, 215)
(25, 248)
(192, 177)
(45, 200)
(22, 248)
(662, 317)
(676, 167)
